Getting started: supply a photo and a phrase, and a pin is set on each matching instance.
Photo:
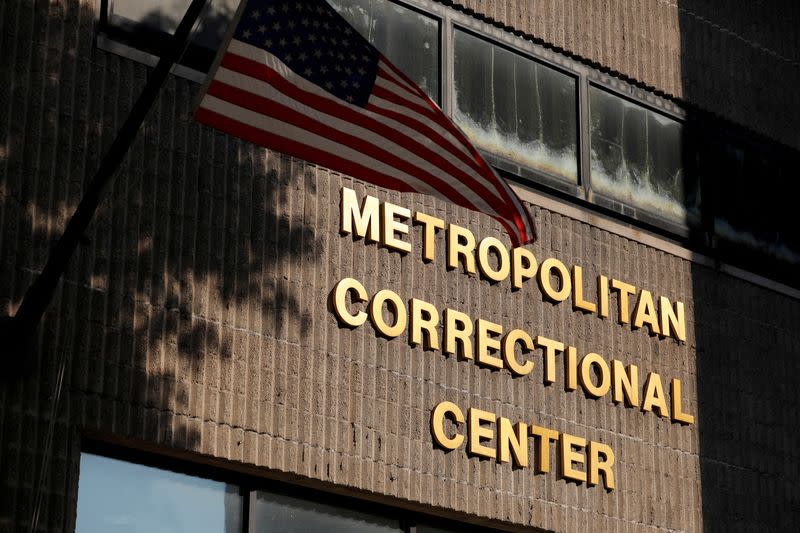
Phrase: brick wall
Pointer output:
(195, 320)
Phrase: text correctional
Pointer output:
(490, 345)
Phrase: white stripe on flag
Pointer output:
(265, 90)
(265, 58)
(309, 138)
(492, 190)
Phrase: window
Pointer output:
(754, 187)
(516, 108)
(410, 40)
(278, 512)
(637, 158)
(148, 24)
(116, 496)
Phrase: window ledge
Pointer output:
(115, 47)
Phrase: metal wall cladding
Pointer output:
(195, 319)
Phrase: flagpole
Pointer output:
(18, 331)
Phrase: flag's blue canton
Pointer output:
(315, 42)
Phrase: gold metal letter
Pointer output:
(485, 343)
(460, 242)
(595, 391)
(523, 266)
(376, 313)
(365, 217)
(427, 323)
(570, 456)
(340, 302)
(503, 267)
(602, 296)
(392, 226)
(510, 341)
(550, 349)
(654, 395)
(548, 265)
(544, 436)
(514, 437)
(437, 425)
(596, 465)
(625, 290)
(477, 432)
(677, 404)
(457, 327)
(645, 312)
(430, 225)
(577, 292)
(626, 384)
(571, 366)
(673, 322)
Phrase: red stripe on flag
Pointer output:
(431, 114)
(386, 76)
(309, 153)
(331, 107)
(297, 149)
(283, 113)
(439, 118)
(510, 196)
(394, 140)
(264, 73)
(399, 73)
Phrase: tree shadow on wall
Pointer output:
(201, 252)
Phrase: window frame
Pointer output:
(509, 167)
(666, 109)
(249, 482)
(440, 20)
(586, 76)
(451, 20)
(110, 38)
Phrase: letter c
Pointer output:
(340, 302)
(437, 425)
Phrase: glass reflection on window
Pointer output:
(637, 158)
(164, 16)
(516, 108)
(277, 512)
(755, 189)
(424, 528)
(116, 496)
(410, 40)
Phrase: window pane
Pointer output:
(277, 512)
(637, 158)
(423, 528)
(755, 189)
(408, 39)
(165, 15)
(147, 24)
(116, 496)
(514, 107)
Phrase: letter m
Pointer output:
(364, 217)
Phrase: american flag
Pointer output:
(297, 78)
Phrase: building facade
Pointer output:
(257, 322)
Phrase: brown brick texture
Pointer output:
(194, 318)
